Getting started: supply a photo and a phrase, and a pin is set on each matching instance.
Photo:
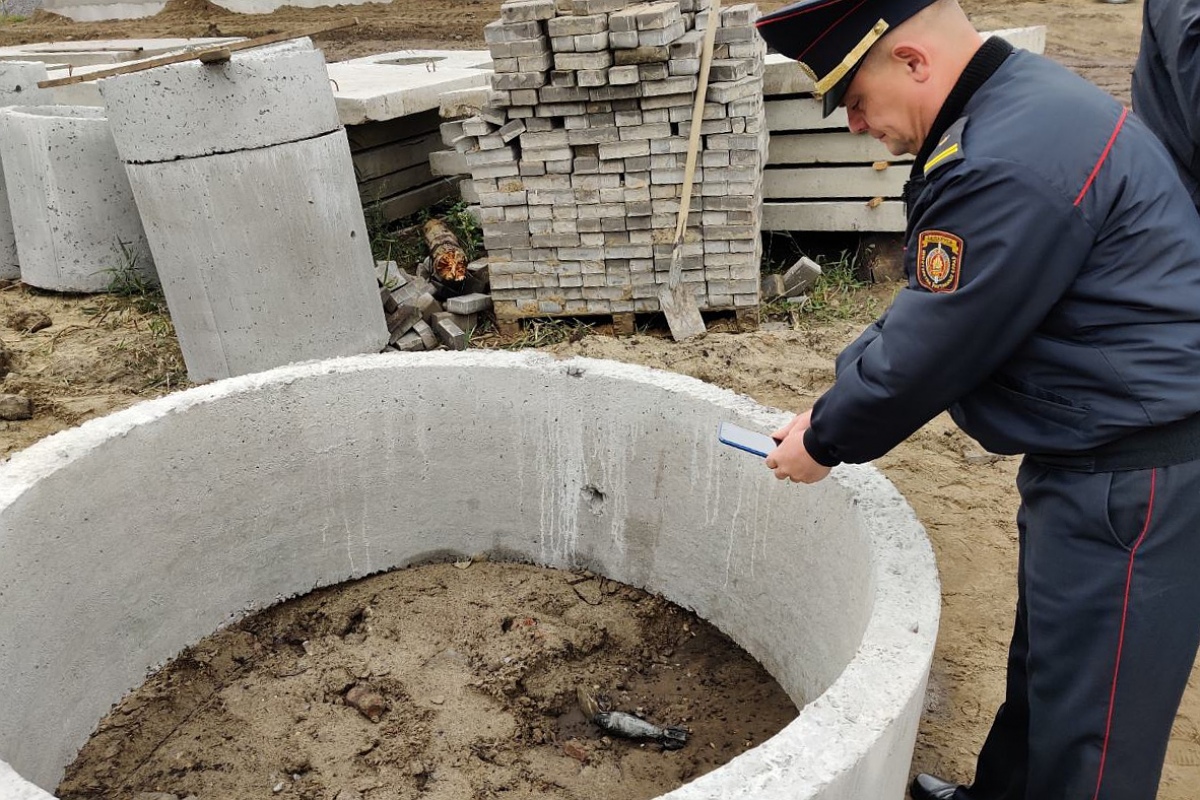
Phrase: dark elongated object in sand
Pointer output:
(631, 727)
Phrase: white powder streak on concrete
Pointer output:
(612, 446)
(735, 521)
(560, 462)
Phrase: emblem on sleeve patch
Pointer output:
(939, 260)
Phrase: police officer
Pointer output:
(1166, 82)
(1053, 307)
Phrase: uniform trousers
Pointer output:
(1107, 627)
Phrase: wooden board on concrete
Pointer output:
(805, 183)
(830, 147)
(837, 216)
(205, 54)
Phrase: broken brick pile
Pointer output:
(578, 159)
(424, 314)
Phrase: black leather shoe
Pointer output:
(927, 787)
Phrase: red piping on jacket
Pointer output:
(1103, 156)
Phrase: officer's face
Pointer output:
(881, 102)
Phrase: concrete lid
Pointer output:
(259, 98)
(398, 84)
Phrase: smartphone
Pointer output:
(757, 443)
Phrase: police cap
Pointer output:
(830, 37)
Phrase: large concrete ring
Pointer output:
(128, 538)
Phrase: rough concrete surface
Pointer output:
(19, 8)
(259, 98)
(263, 256)
(18, 86)
(74, 220)
(208, 504)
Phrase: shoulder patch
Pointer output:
(939, 260)
(949, 149)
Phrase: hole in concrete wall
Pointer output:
(460, 679)
(595, 499)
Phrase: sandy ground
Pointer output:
(92, 361)
(442, 682)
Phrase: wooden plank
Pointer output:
(812, 183)
(377, 134)
(396, 182)
(219, 52)
(410, 202)
(803, 114)
(829, 148)
(838, 216)
(380, 161)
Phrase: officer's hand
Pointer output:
(791, 460)
(801, 421)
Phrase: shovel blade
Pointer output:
(683, 315)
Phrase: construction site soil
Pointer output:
(100, 354)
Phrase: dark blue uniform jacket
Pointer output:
(1053, 259)
(1166, 82)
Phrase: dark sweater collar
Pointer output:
(982, 66)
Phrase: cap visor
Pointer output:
(833, 98)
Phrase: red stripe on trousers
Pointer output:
(1112, 697)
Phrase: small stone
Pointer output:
(415, 767)
(296, 763)
(368, 702)
(976, 457)
(437, 700)
(576, 750)
(13, 406)
(337, 680)
(28, 321)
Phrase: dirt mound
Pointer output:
(192, 11)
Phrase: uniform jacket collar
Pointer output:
(982, 66)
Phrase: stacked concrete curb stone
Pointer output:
(579, 157)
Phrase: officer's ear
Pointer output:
(913, 58)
